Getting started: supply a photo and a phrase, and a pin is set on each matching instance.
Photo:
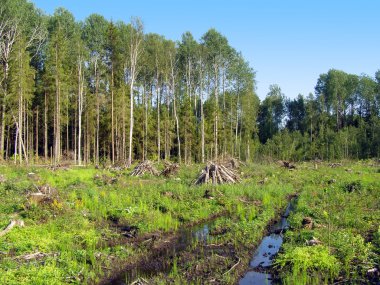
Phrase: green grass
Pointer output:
(75, 228)
(345, 214)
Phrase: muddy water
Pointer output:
(259, 264)
(263, 257)
(185, 238)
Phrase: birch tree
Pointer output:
(136, 38)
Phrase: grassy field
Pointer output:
(338, 211)
(95, 223)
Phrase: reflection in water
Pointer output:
(254, 277)
(264, 254)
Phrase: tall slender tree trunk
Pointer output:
(97, 112)
(57, 132)
(146, 126)
(2, 126)
(112, 119)
(202, 117)
(37, 132)
(131, 121)
(158, 122)
(20, 125)
(16, 143)
(20, 107)
(167, 133)
(123, 139)
(144, 120)
(216, 70)
(75, 132)
(80, 109)
(176, 118)
(67, 126)
(237, 124)
(224, 115)
(136, 39)
(46, 150)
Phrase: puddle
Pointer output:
(158, 261)
(263, 257)
(264, 254)
(185, 238)
(254, 277)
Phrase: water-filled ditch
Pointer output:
(258, 272)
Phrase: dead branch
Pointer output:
(143, 167)
(236, 264)
(11, 225)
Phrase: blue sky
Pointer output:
(287, 42)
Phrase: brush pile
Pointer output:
(143, 167)
(217, 174)
(170, 169)
(231, 163)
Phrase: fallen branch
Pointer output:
(11, 225)
(35, 255)
(236, 264)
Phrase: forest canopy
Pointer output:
(102, 91)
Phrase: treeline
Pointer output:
(101, 91)
(340, 121)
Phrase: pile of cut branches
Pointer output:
(217, 174)
(170, 169)
(231, 163)
(143, 167)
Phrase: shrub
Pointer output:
(309, 261)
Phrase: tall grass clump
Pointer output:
(308, 263)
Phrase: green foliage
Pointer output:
(343, 215)
(308, 263)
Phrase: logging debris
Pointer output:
(334, 165)
(231, 163)
(170, 169)
(104, 179)
(313, 242)
(287, 164)
(45, 195)
(35, 256)
(65, 166)
(11, 225)
(307, 223)
(143, 167)
(217, 174)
